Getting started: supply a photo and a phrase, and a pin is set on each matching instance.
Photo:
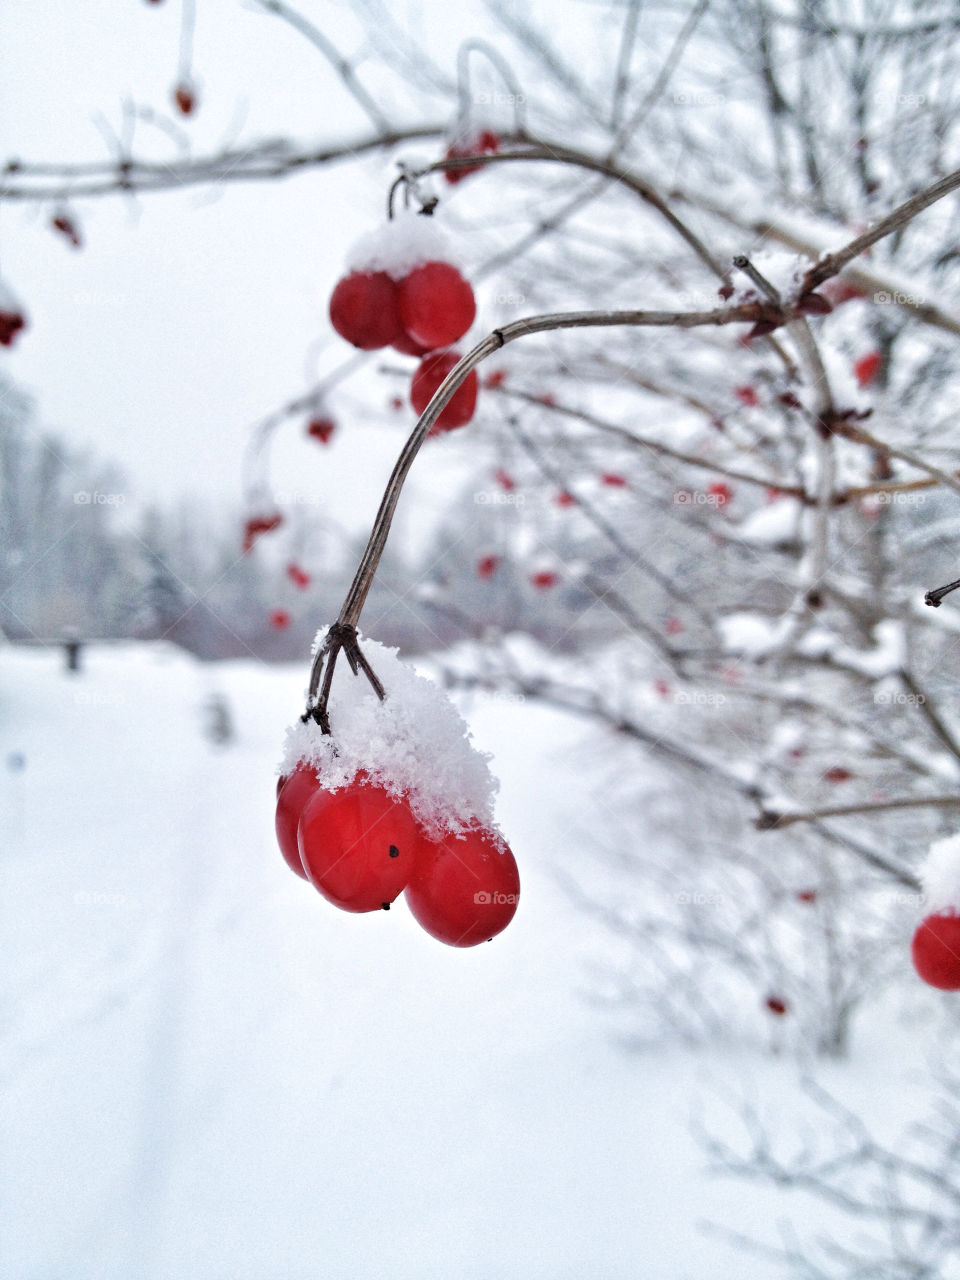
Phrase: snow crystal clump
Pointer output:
(415, 744)
(940, 876)
(406, 241)
(10, 304)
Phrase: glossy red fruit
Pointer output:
(436, 305)
(293, 792)
(747, 395)
(11, 322)
(485, 144)
(565, 499)
(613, 480)
(464, 891)
(258, 525)
(487, 566)
(867, 368)
(429, 375)
(544, 579)
(299, 577)
(936, 951)
(721, 492)
(776, 1005)
(358, 845)
(837, 774)
(279, 619)
(321, 429)
(185, 99)
(407, 347)
(363, 309)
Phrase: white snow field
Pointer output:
(212, 1074)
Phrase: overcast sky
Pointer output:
(189, 315)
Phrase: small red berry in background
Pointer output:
(279, 619)
(293, 792)
(299, 577)
(806, 895)
(185, 98)
(321, 429)
(487, 566)
(436, 305)
(496, 378)
(486, 143)
(11, 322)
(867, 368)
(673, 627)
(747, 395)
(722, 492)
(548, 399)
(63, 223)
(363, 309)
(565, 499)
(936, 951)
(396, 404)
(358, 845)
(613, 480)
(544, 579)
(662, 688)
(430, 373)
(837, 774)
(464, 891)
(504, 480)
(258, 525)
(776, 1005)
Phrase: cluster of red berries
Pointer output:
(361, 847)
(422, 314)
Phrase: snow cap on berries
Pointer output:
(415, 744)
(940, 877)
(401, 244)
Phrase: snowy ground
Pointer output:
(211, 1074)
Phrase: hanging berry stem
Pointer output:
(934, 598)
(339, 637)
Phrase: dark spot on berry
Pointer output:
(385, 905)
(394, 851)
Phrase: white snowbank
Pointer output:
(415, 743)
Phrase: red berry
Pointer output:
(673, 627)
(436, 305)
(837, 774)
(67, 228)
(662, 688)
(430, 373)
(722, 492)
(464, 891)
(321, 429)
(867, 368)
(293, 792)
(396, 403)
(936, 951)
(358, 845)
(776, 1005)
(279, 619)
(496, 378)
(299, 577)
(504, 480)
(747, 395)
(613, 480)
(548, 399)
(407, 347)
(806, 895)
(11, 322)
(185, 98)
(257, 525)
(565, 499)
(363, 309)
(487, 566)
(485, 144)
(544, 579)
